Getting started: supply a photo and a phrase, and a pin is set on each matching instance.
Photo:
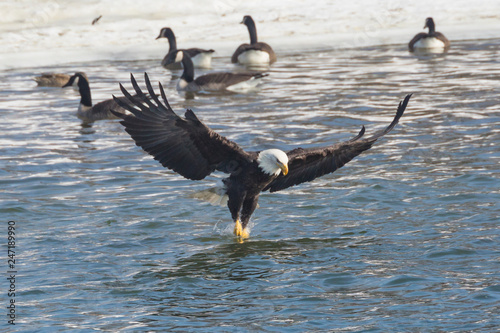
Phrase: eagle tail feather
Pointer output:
(216, 195)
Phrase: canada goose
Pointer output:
(86, 111)
(255, 53)
(52, 80)
(432, 40)
(212, 81)
(201, 58)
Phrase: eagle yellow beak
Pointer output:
(284, 168)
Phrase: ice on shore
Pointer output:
(49, 32)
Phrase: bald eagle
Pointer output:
(190, 148)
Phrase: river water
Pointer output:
(403, 238)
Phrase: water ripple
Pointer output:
(403, 236)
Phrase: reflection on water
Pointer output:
(404, 236)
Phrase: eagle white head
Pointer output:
(273, 161)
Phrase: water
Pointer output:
(403, 238)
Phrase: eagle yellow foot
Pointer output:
(239, 231)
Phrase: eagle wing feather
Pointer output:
(307, 164)
(184, 145)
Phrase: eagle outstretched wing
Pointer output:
(307, 164)
(184, 145)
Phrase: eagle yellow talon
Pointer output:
(245, 233)
(237, 228)
(239, 231)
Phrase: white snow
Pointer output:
(50, 32)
